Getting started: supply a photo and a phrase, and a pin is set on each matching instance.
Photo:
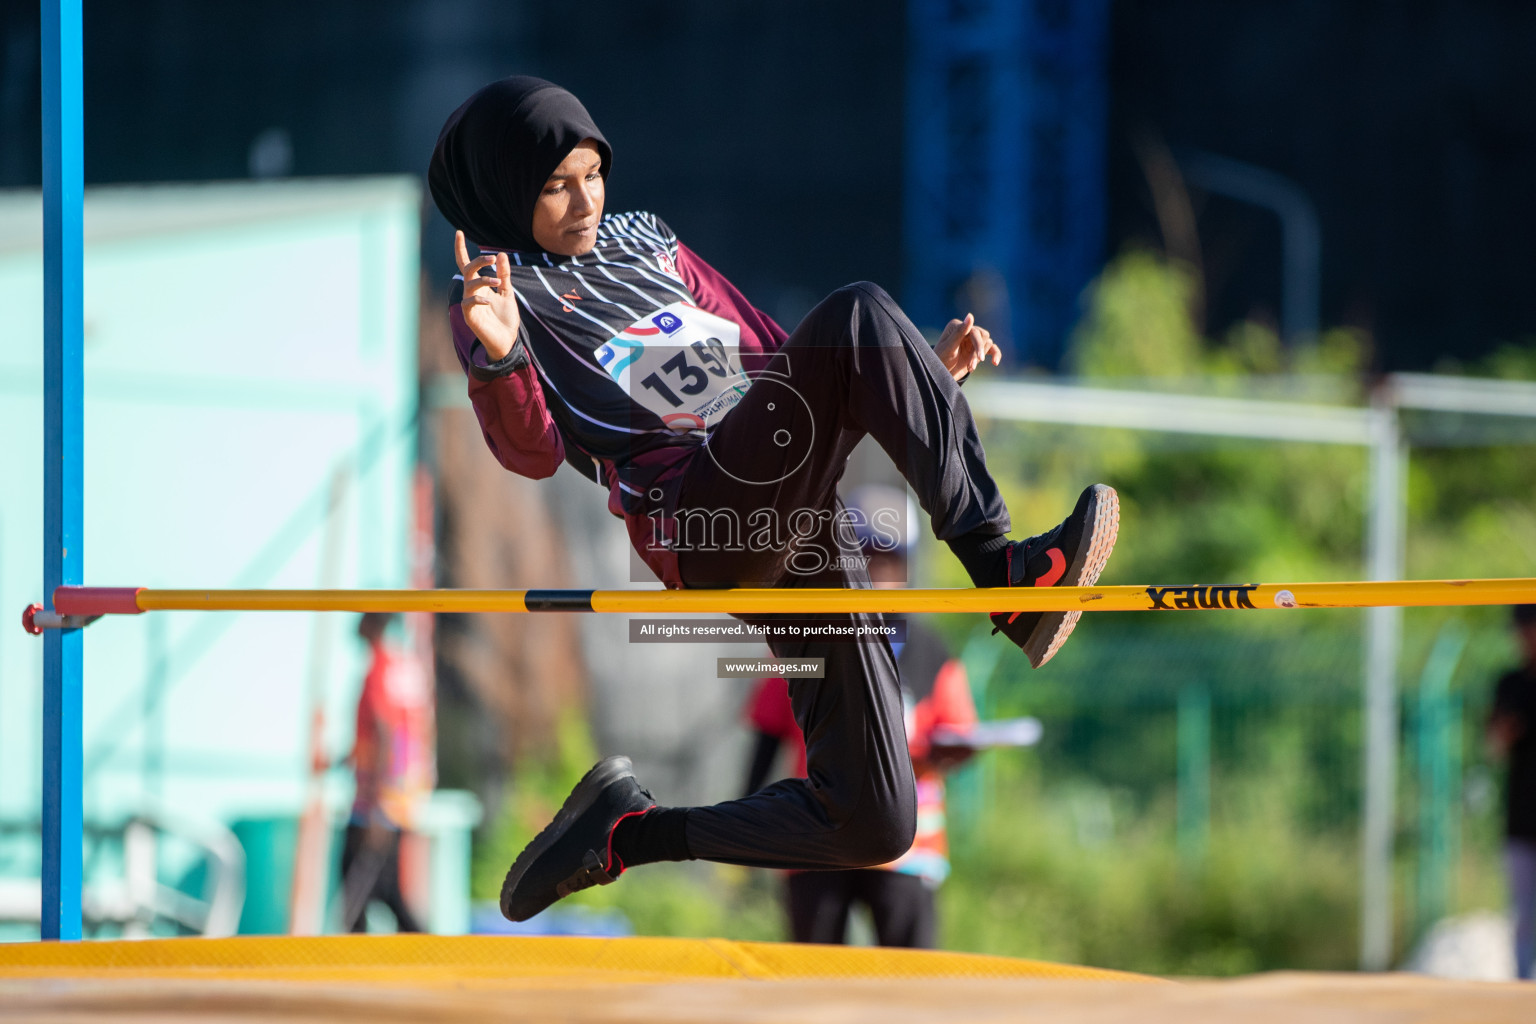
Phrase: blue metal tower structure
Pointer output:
(1005, 195)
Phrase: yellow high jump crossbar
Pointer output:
(75, 606)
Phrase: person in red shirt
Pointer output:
(393, 762)
(936, 696)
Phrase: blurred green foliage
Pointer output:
(1046, 876)
(1070, 851)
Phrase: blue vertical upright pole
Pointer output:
(63, 452)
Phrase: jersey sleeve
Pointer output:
(770, 712)
(760, 336)
(509, 403)
(949, 706)
(953, 705)
(366, 738)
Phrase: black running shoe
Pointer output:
(575, 851)
(1071, 555)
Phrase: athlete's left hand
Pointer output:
(964, 346)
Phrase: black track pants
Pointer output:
(854, 366)
(902, 906)
(370, 870)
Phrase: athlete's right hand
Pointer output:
(490, 304)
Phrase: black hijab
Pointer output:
(496, 152)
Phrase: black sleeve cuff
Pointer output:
(514, 360)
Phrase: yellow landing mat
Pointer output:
(475, 980)
(503, 962)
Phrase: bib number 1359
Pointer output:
(681, 363)
(690, 379)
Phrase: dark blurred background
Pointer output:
(799, 145)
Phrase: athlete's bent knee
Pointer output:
(849, 297)
(879, 832)
(864, 307)
(867, 290)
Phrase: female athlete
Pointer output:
(603, 342)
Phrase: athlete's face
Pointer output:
(566, 215)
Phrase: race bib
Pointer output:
(681, 363)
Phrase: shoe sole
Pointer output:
(1103, 527)
(598, 778)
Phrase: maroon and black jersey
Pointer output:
(627, 357)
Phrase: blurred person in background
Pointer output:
(604, 342)
(394, 766)
(936, 696)
(1512, 734)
